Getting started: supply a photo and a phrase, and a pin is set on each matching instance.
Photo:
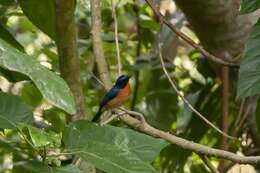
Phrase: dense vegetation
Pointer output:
(57, 60)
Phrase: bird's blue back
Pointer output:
(112, 93)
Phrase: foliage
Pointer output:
(249, 6)
(249, 70)
(36, 104)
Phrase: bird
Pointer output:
(115, 97)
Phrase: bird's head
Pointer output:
(122, 81)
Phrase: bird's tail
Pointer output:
(97, 116)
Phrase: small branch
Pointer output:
(97, 43)
(187, 39)
(185, 100)
(114, 15)
(239, 117)
(206, 160)
(225, 111)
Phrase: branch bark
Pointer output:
(97, 43)
(206, 160)
(68, 54)
(186, 144)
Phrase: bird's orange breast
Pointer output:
(120, 99)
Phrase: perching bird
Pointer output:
(115, 97)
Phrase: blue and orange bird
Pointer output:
(116, 96)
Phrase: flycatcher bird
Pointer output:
(115, 97)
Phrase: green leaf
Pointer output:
(41, 138)
(41, 14)
(184, 117)
(158, 96)
(208, 104)
(248, 6)
(249, 72)
(52, 87)
(6, 2)
(13, 111)
(30, 94)
(37, 167)
(8, 37)
(57, 118)
(147, 22)
(113, 149)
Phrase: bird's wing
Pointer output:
(112, 93)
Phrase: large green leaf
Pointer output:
(52, 87)
(40, 138)
(36, 167)
(13, 111)
(113, 149)
(41, 14)
(158, 96)
(249, 72)
(248, 6)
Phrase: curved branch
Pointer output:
(187, 39)
(114, 15)
(207, 162)
(144, 127)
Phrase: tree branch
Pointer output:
(206, 160)
(114, 15)
(97, 43)
(187, 39)
(186, 144)
(68, 54)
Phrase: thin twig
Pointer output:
(111, 118)
(97, 79)
(239, 117)
(184, 99)
(114, 15)
(187, 39)
(206, 160)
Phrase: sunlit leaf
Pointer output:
(52, 87)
